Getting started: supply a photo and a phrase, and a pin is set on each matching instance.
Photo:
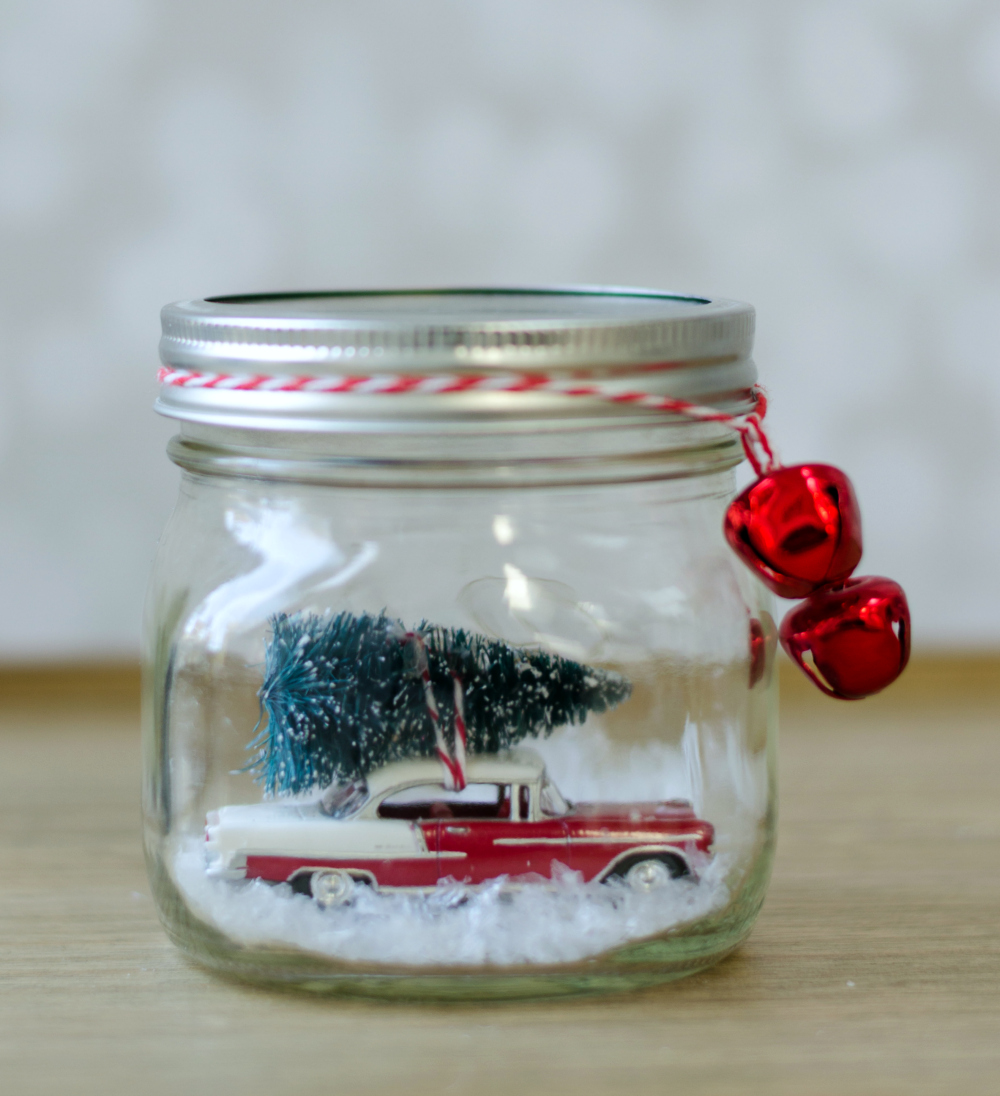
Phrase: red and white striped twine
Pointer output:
(460, 731)
(453, 763)
(750, 427)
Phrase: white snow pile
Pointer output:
(545, 923)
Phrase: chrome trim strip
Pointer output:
(610, 839)
(658, 839)
(380, 857)
(531, 841)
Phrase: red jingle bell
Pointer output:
(858, 635)
(799, 528)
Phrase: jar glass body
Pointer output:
(614, 839)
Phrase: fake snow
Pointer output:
(545, 923)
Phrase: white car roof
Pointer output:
(520, 766)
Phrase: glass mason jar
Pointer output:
(455, 690)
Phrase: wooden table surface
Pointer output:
(874, 968)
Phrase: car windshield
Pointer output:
(344, 799)
(551, 800)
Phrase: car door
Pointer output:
(413, 807)
(511, 842)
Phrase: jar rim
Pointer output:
(265, 360)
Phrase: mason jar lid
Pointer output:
(267, 361)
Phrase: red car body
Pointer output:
(401, 830)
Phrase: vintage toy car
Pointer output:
(402, 830)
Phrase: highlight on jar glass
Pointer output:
(454, 686)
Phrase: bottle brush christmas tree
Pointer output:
(345, 695)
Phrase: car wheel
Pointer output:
(332, 888)
(651, 874)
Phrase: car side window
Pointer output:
(429, 801)
(524, 802)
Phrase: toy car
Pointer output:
(402, 830)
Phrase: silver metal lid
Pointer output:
(700, 349)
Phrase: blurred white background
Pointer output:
(835, 163)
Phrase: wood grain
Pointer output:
(874, 968)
